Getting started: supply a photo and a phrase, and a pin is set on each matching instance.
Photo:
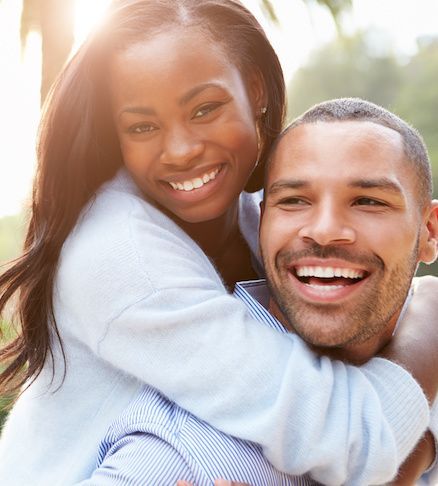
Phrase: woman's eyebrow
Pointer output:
(141, 110)
(145, 110)
(196, 90)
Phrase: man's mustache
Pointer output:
(331, 251)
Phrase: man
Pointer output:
(346, 218)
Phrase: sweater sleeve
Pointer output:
(143, 297)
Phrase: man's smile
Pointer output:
(326, 281)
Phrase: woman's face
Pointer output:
(186, 122)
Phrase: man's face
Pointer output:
(342, 230)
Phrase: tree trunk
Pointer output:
(57, 25)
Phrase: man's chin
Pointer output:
(328, 326)
(327, 337)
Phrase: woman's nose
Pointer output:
(181, 146)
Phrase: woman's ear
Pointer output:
(428, 249)
(257, 94)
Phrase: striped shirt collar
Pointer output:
(255, 295)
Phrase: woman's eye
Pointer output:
(206, 109)
(142, 128)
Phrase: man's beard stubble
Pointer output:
(337, 324)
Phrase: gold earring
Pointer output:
(263, 110)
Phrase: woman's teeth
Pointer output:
(195, 183)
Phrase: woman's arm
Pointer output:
(414, 345)
(144, 298)
(422, 464)
(415, 337)
(417, 463)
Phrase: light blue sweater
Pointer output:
(137, 301)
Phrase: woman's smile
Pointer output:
(194, 190)
(193, 183)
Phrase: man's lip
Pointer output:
(192, 174)
(325, 294)
(326, 262)
(333, 292)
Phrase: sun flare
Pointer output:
(87, 16)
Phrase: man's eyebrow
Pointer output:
(282, 184)
(382, 183)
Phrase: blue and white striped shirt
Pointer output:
(155, 442)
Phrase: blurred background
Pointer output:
(385, 51)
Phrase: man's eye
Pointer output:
(293, 201)
(142, 128)
(367, 201)
(206, 109)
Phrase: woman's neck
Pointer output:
(214, 236)
(220, 239)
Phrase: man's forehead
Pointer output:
(359, 131)
(325, 145)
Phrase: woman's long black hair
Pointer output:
(78, 150)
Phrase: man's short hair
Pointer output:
(356, 109)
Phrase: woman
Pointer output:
(150, 134)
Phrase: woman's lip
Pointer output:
(189, 176)
(324, 294)
(196, 194)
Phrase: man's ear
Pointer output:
(262, 210)
(428, 250)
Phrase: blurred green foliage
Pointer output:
(5, 401)
(11, 236)
(359, 66)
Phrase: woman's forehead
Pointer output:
(184, 58)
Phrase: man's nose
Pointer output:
(181, 146)
(328, 226)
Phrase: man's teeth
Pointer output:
(325, 288)
(195, 183)
(328, 272)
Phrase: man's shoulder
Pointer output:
(149, 412)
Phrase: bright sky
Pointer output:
(300, 31)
